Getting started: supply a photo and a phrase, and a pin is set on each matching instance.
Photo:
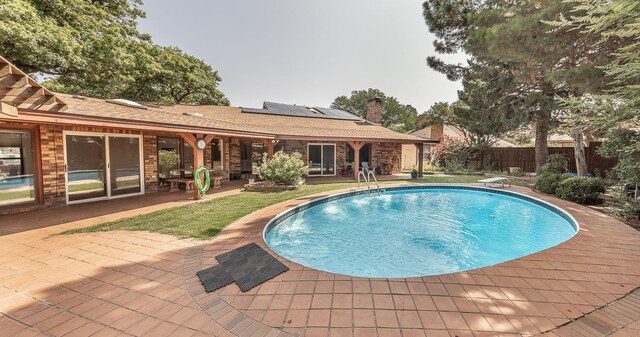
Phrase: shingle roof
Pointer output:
(231, 119)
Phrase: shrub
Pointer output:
(454, 154)
(548, 182)
(283, 169)
(556, 163)
(583, 190)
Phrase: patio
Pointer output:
(138, 283)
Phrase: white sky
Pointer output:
(306, 51)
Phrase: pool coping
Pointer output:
(527, 296)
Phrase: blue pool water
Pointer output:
(426, 231)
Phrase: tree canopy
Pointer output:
(396, 116)
(94, 48)
(546, 64)
(482, 112)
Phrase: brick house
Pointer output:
(58, 149)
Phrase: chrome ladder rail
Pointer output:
(366, 180)
(370, 173)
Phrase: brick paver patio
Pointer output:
(138, 283)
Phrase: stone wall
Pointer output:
(234, 156)
(386, 156)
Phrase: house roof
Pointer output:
(228, 121)
(452, 131)
(24, 100)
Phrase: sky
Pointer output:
(306, 52)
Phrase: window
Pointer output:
(217, 154)
(17, 167)
(169, 157)
(426, 152)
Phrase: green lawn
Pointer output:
(204, 220)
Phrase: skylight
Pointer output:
(127, 102)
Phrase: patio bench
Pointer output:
(174, 183)
(494, 180)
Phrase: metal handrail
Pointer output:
(367, 179)
(361, 173)
(370, 173)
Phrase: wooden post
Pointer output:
(198, 154)
(269, 146)
(356, 146)
(420, 147)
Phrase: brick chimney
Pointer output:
(437, 131)
(374, 110)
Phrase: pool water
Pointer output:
(407, 233)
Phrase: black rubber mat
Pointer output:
(250, 266)
(214, 278)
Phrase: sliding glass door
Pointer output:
(85, 165)
(124, 168)
(322, 159)
(17, 167)
(101, 166)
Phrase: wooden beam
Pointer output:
(420, 147)
(5, 70)
(13, 81)
(8, 109)
(269, 146)
(356, 146)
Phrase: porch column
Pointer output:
(269, 146)
(420, 147)
(198, 154)
(356, 146)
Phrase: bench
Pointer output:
(494, 180)
(174, 183)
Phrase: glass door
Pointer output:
(322, 159)
(85, 164)
(102, 166)
(124, 165)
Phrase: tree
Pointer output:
(94, 48)
(616, 23)
(180, 78)
(483, 113)
(545, 65)
(396, 116)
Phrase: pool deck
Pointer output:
(137, 283)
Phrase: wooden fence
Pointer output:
(501, 158)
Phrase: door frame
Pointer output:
(335, 164)
(107, 162)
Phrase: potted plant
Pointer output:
(344, 171)
(414, 172)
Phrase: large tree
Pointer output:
(482, 112)
(396, 116)
(95, 48)
(615, 23)
(545, 65)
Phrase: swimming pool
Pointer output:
(417, 230)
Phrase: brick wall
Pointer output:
(150, 149)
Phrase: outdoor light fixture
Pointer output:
(201, 144)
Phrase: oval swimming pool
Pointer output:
(413, 231)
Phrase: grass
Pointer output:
(203, 220)
(4, 196)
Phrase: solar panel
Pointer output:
(338, 114)
(280, 109)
